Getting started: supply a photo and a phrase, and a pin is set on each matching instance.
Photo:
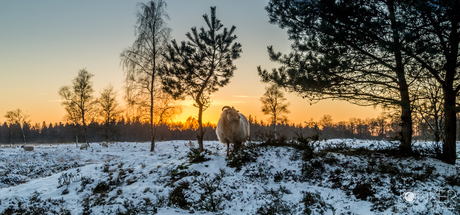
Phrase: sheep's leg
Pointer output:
(228, 146)
(237, 147)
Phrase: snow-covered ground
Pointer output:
(126, 178)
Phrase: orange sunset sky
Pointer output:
(43, 44)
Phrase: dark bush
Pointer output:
(102, 187)
(246, 154)
(209, 200)
(363, 190)
(195, 156)
(177, 196)
(314, 201)
(453, 180)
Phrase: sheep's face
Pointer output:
(232, 115)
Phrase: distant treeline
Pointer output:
(375, 128)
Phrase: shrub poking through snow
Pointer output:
(247, 154)
(453, 180)
(37, 205)
(85, 181)
(195, 156)
(102, 187)
(177, 196)
(146, 206)
(314, 203)
(363, 190)
(275, 203)
(67, 178)
(268, 138)
(210, 191)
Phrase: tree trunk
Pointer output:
(449, 148)
(406, 128)
(11, 136)
(274, 123)
(406, 113)
(85, 127)
(86, 133)
(200, 127)
(152, 130)
(23, 135)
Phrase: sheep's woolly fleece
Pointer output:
(143, 176)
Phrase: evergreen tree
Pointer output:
(436, 26)
(198, 67)
(352, 51)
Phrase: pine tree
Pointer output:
(198, 67)
(352, 51)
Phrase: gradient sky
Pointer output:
(43, 44)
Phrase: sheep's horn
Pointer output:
(226, 107)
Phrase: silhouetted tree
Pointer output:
(198, 68)
(109, 110)
(428, 106)
(137, 104)
(4, 132)
(326, 121)
(78, 100)
(351, 50)
(274, 104)
(142, 59)
(19, 118)
(437, 51)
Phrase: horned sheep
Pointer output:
(84, 146)
(28, 148)
(233, 127)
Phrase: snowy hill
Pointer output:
(338, 177)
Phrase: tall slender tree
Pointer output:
(78, 100)
(437, 51)
(109, 110)
(19, 118)
(350, 50)
(141, 61)
(198, 67)
(274, 105)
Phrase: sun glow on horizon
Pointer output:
(31, 77)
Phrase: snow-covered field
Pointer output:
(126, 178)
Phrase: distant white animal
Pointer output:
(233, 127)
(84, 146)
(191, 144)
(105, 144)
(28, 148)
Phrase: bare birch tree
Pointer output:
(20, 118)
(142, 59)
(78, 99)
(274, 105)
